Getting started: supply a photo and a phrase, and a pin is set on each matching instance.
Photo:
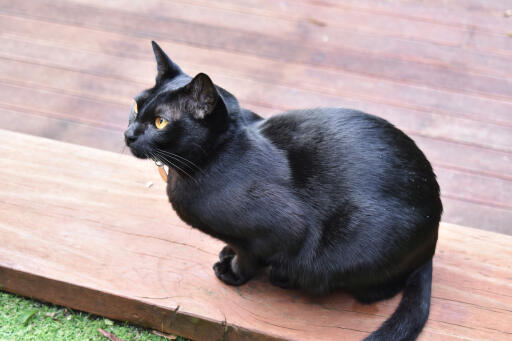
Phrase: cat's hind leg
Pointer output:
(280, 279)
(368, 295)
(235, 268)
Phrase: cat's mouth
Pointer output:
(133, 142)
(137, 151)
(138, 154)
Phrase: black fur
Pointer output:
(326, 198)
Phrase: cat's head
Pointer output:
(178, 115)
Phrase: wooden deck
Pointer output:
(101, 241)
(439, 70)
(442, 73)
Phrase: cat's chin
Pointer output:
(138, 154)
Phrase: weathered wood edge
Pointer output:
(121, 308)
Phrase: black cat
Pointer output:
(324, 198)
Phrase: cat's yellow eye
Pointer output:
(160, 122)
(135, 109)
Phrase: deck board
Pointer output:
(437, 70)
(280, 48)
(322, 26)
(101, 241)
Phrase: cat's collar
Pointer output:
(161, 170)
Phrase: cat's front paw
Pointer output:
(224, 271)
(227, 252)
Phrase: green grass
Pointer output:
(25, 319)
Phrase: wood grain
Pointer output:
(87, 110)
(79, 227)
(296, 75)
(262, 45)
(459, 203)
(438, 70)
(280, 97)
(317, 25)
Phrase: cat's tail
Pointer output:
(409, 318)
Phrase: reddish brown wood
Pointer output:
(489, 190)
(116, 306)
(68, 131)
(341, 83)
(471, 15)
(209, 35)
(62, 130)
(71, 77)
(92, 110)
(407, 117)
(302, 20)
(468, 131)
(316, 94)
(317, 28)
(80, 228)
(460, 211)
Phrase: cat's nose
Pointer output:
(129, 136)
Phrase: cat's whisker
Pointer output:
(120, 155)
(164, 159)
(173, 165)
(152, 157)
(149, 156)
(179, 158)
(173, 157)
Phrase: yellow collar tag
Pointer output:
(161, 170)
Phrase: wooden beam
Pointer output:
(79, 227)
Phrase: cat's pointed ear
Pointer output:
(203, 96)
(166, 67)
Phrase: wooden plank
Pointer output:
(464, 157)
(458, 211)
(303, 19)
(54, 104)
(441, 152)
(457, 208)
(101, 241)
(98, 89)
(283, 97)
(491, 191)
(296, 75)
(120, 91)
(108, 67)
(476, 188)
(265, 46)
(388, 22)
(63, 130)
(309, 31)
(479, 15)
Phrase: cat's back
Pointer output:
(326, 127)
(332, 150)
(330, 138)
